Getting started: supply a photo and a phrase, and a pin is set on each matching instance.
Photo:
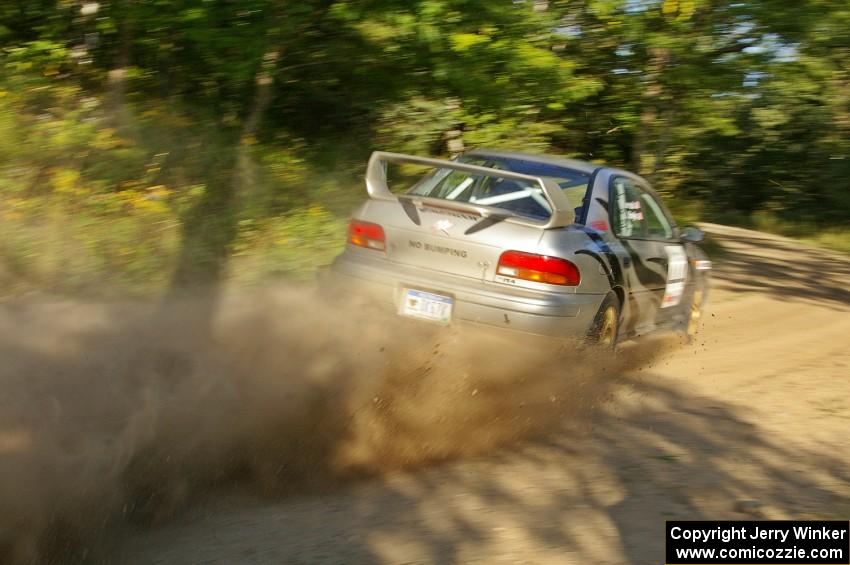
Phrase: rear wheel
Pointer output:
(606, 325)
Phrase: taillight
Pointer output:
(366, 234)
(538, 268)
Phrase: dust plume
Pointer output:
(113, 412)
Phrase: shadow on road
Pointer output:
(595, 487)
(597, 491)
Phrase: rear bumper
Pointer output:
(479, 302)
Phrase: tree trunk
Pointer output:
(117, 76)
(209, 228)
(646, 142)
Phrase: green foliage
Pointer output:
(292, 245)
(144, 142)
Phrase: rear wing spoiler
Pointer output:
(563, 213)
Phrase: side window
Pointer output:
(657, 224)
(628, 214)
(637, 214)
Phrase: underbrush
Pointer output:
(99, 201)
(48, 244)
(834, 236)
(828, 235)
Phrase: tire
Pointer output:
(606, 324)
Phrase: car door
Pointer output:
(648, 238)
(669, 251)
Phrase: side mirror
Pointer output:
(692, 234)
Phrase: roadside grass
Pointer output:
(834, 237)
(292, 246)
(91, 207)
(50, 244)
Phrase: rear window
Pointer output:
(519, 197)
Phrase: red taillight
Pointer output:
(366, 234)
(538, 268)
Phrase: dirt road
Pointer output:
(753, 420)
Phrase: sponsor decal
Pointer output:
(452, 213)
(441, 249)
(629, 212)
(442, 226)
(677, 272)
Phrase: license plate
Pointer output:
(426, 306)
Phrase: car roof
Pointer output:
(574, 164)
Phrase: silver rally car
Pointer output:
(531, 243)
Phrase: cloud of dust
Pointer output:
(124, 411)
